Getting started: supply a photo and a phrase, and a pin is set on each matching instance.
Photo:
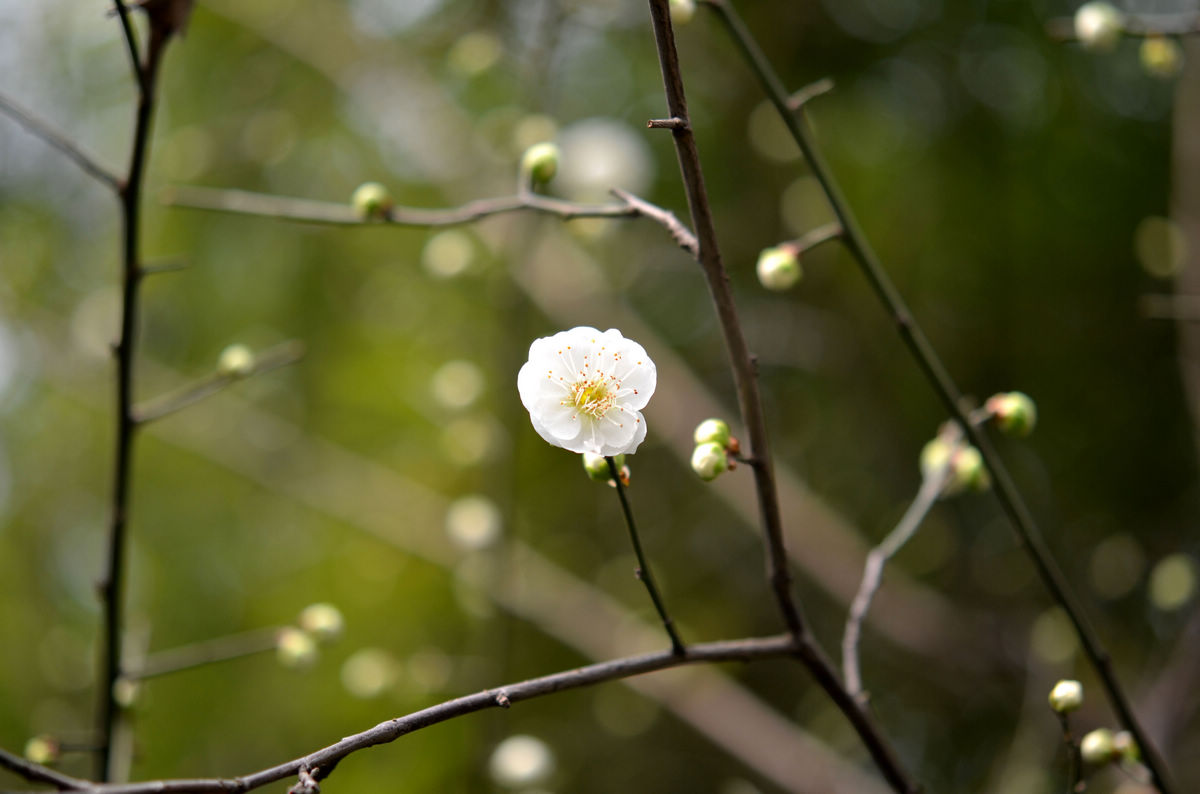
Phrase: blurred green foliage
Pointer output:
(1000, 174)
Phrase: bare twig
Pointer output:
(814, 238)
(274, 358)
(744, 650)
(245, 203)
(643, 570)
(798, 100)
(666, 219)
(745, 377)
(1021, 518)
(53, 137)
(135, 58)
(199, 654)
(927, 496)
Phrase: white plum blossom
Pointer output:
(584, 390)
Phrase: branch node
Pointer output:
(502, 700)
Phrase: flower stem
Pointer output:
(643, 569)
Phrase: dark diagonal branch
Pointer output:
(36, 773)
(643, 572)
(320, 762)
(745, 377)
(1027, 531)
(274, 358)
(112, 585)
(53, 137)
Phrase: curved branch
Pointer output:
(744, 650)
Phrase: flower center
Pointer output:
(592, 396)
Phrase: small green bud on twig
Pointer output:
(1014, 411)
(1098, 747)
(778, 268)
(1098, 26)
(540, 162)
(596, 467)
(710, 461)
(235, 361)
(371, 200)
(1066, 696)
(43, 750)
(713, 430)
(682, 11)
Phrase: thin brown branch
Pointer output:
(42, 129)
(744, 650)
(815, 238)
(36, 773)
(1028, 534)
(199, 654)
(750, 403)
(274, 358)
(135, 58)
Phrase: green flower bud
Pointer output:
(540, 162)
(1161, 57)
(323, 621)
(1126, 747)
(1014, 411)
(43, 750)
(1098, 26)
(712, 430)
(935, 454)
(1066, 696)
(778, 268)
(682, 11)
(1098, 747)
(295, 648)
(967, 472)
(371, 200)
(709, 461)
(235, 361)
(597, 467)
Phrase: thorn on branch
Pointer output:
(673, 123)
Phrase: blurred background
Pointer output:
(1019, 190)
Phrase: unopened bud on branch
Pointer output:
(1066, 696)
(709, 461)
(371, 200)
(235, 361)
(778, 268)
(1014, 411)
(540, 162)
(596, 467)
(1098, 747)
(715, 431)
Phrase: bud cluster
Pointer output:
(715, 450)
